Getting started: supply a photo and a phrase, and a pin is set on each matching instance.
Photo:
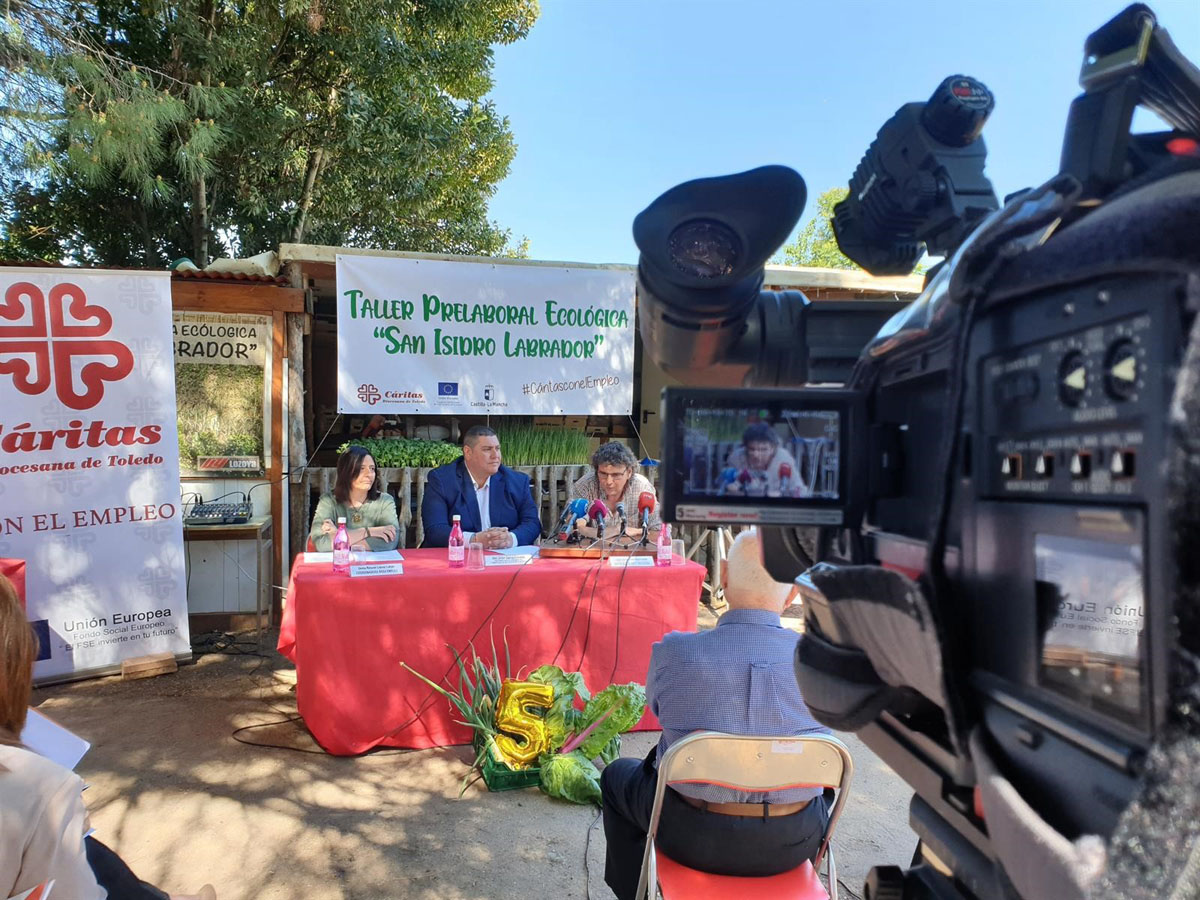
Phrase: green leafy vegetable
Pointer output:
(612, 750)
(570, 776)
(562, 718)
(614, 710)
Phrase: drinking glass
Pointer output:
(677, 550)
(475, 555)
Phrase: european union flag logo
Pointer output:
(447, 388)
(41, 627)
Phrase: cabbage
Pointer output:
(570, 776)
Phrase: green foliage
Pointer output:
(571, 776)
(523, 445)
(577, 736)
(562, 718)
(616, 709)
(612, 750)
(816, 245)
(219, 411)
(143, 131)
(407, 452)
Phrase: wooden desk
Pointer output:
(260, 530)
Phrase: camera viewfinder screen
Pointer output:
(1092, 606)
(761, 453)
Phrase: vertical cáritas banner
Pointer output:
(89, 465)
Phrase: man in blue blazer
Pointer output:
(496, 506)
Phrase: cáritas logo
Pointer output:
(56, 332)
(369, 394)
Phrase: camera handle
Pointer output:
(1129, 61)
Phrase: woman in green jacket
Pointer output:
(370, 513)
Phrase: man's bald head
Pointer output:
(747, 584)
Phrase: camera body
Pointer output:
(980, 518)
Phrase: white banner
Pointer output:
(89, 464)
(439, 337)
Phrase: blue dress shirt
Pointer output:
(737, 678)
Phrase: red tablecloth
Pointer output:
(348, 636)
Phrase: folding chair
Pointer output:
(748, 763)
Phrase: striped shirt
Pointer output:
(737, 678)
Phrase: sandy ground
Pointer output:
(184, 802)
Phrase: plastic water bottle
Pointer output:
(457, 546)
(341, 548)
(663, 557)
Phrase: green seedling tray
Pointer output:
(499, 777)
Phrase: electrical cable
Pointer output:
(571, 621)
(617, 626)
(286, 475)
(587, 631)
(638, 435)
(587, 843)
(434, 694)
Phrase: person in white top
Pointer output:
(43, 822)
(762, 466)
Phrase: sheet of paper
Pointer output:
(524, 550)
(375, 569)
(630, 562)
(383, 556)
(507, 560)
(47, 738)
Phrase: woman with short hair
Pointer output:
(614, 479)
(357, 496)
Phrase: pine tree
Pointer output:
(141, 131)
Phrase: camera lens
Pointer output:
(704, 249)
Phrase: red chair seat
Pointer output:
(678, 882)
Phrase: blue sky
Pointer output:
(612, 102)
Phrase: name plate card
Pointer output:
(515, 560)
(376, 569)
(630, 562)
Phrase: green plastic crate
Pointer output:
(499, 777)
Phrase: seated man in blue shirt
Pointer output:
(496, 506)
(736, 678)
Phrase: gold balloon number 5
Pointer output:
(522, 736)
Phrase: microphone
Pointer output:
(645, 507)
(561, 528)
(785, 477)
(597, 513)
(745, 478)
(575, 510)
(728, 477)
(620, 511)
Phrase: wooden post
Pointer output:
(275, 470)
(297, 528)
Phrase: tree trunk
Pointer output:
(315, 163)
(199, 222)
(149, 252)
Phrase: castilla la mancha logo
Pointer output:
(41, 338)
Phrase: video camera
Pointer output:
(994, 518)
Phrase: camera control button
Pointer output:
(1010, 466)
(1122, 464)
(1081, 465)
(1043, 466)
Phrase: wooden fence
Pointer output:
(551, 488)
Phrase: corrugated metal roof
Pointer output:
(280, 280)
(226, 277)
